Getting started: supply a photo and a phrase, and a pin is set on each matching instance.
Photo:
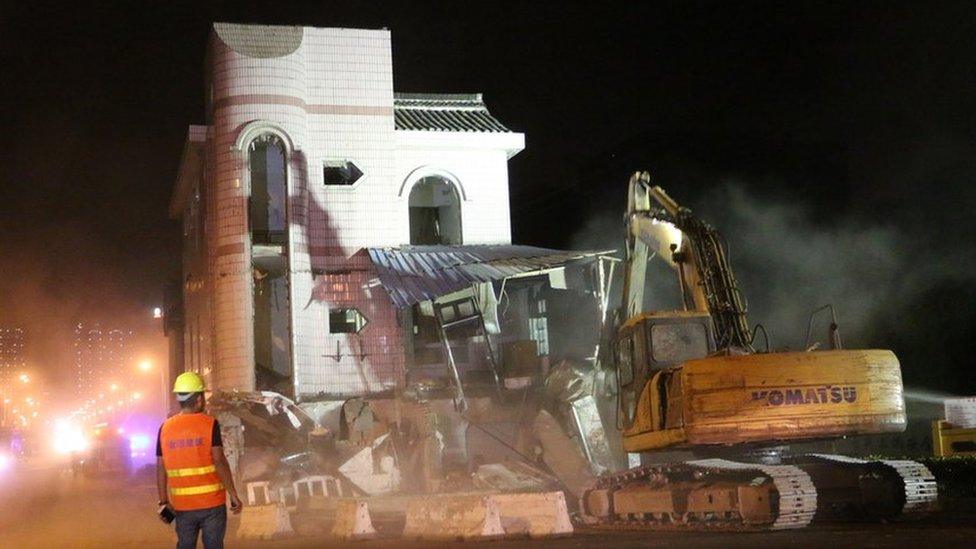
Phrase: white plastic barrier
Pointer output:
(537, 515)
(264, 522)
(352, 520)
(453, 517)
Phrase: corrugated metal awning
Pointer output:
(412, 274)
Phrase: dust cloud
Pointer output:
(788, 262)
(60, 276)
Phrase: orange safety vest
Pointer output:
(186, 440)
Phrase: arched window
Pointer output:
(268, 203)
(268, 223)
(435, 212)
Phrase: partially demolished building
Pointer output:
(348, 267)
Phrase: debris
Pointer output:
(592, 434)
(327, 486)
(269, 418)
(563, 456)
(258, 462)
(569, 380)
(373, 469)
(512, 476)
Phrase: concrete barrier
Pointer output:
(352, 520)
(453, 517)
(264, 522)
(537, 515)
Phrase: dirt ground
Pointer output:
(42, 505)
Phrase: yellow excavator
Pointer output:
(692, 379)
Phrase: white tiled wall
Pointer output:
(333, 99)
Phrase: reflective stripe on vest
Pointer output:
(190, 471)
(186, 441)
(196, 490)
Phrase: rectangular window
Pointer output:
(625, 361)
(674, 343)
(346, 321)
(539, 331)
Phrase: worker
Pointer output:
(192, 474)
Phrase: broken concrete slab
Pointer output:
(373, 470)
(562, 455)
(512, 476)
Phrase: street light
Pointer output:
(146, 365)
(24, 378)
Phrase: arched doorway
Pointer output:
(435, 212)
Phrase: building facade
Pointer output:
(13, 353)
(307, 159)
(103, 356)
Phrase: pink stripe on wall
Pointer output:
(292, 101)
(228, 249)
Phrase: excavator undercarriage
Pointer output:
(718, 494)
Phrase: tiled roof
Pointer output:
(412, 274)
(263, 41)
(444, 113)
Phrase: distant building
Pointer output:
(309, 165)
(13, 353)
(103, 356)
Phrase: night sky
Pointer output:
(834, 143)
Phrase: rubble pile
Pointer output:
(414, 465)
(489, 436)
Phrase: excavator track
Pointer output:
(723, 495)
(711, 495)
(857, 489)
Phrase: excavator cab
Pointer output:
(650, 346)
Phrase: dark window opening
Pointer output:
(267, 205)
(625, 361)
(346, 321)
(964, 446)
(272, 324)
(435, 213)
(342, 173)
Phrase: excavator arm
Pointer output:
(657, 225)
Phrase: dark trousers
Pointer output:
(212, 522)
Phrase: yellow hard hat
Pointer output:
(188, 382)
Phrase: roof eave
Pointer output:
(510, 142)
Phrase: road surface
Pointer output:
(42, 505)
